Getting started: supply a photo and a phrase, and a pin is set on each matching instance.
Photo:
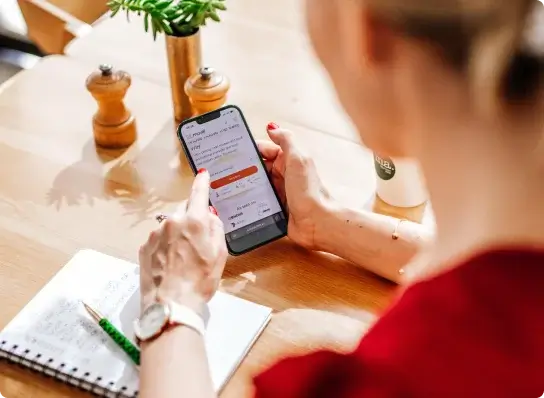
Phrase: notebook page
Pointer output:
(233, 327)
(55, 324)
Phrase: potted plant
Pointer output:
(180, 21)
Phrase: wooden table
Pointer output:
(265, 51)
(59, 194)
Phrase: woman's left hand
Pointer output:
(183, 260)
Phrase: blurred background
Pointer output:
(30, 29)
(14, 42)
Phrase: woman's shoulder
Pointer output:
(528, 258)
(493, 285)
(490, 273)
(507, 279)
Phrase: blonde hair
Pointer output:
(483, 37)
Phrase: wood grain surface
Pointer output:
(59, 193)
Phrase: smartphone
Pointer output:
(240, 187)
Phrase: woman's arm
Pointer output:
(175, 365)
(318, 223)
(181, 263)
(366, 239)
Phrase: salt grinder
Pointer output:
(207, 90)
(114, 125)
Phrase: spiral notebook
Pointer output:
(54, 335)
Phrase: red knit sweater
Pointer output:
(475, 331)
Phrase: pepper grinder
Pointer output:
(114, 125)
(207, 90)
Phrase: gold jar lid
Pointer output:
(207, 85)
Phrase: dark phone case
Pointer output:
(206, 117)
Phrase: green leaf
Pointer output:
(199, 16)
(155, 14)
(180, 21)
(163, 4)
(193, 9)
(219, 6)
(146, 22)
(166, 27)
(154, 28)
(213, 15)
(180, 17)
(198, 20)
(114, 11)
(170, 13)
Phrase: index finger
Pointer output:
(200, 193)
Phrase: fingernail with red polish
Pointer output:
(272, 126)
(213, 211)
(200, 171)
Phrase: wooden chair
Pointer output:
(52, 24)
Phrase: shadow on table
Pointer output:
(282, 273)
(138, 201)
(71, 188)
(141, 180)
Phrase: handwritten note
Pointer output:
(55, 327)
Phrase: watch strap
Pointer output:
(182, 315)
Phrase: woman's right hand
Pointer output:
(183, 260)
(295, 178)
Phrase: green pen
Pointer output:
(119, 338)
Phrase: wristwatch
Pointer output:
(160, 316)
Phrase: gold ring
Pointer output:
(395, 235)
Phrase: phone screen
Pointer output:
(240, 188)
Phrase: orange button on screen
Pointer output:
(233, 177)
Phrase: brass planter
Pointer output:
(184, 59)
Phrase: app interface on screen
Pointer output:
(239, 188)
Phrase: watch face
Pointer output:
(152, 321)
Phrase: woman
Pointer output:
(456, 85)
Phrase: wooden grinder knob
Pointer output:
(207, 90)
(114, 126)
